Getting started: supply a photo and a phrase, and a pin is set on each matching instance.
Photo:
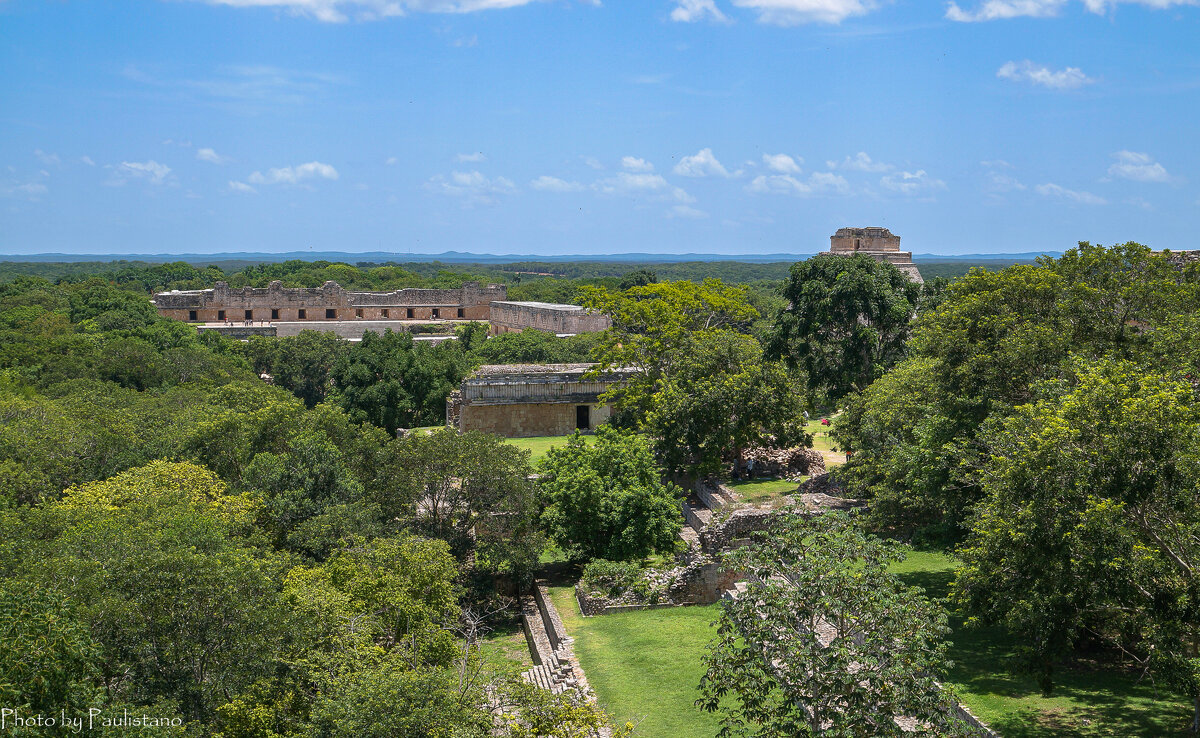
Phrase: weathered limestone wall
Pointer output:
(525, 420)
(508, 317)
(327, 302)
(878, 243)
(863, 239)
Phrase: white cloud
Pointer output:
(474, 158)
(151, 171)
(87, 160)
(861, 162)
(911, 183)
(47, 159)
(241, 187)
(1004, 9)
(701, 164)
(1038, 74)
(634, 164)
(592, 162)
(637, 184)
(796, 12)
(546, 183)
(473, 186)
(686, 211)
(1084, 198)
(690, 11)
(340, 11)
(28, 191)
(211, 156)
(294, 175)
(1139, 167)
(391, 161)
(998, 180)
(782, 163)
(818, 183)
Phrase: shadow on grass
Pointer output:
(1087, 702)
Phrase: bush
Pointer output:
(611, 578)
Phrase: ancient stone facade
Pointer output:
(523, 400)
(327, 302)
(879, 243)
(507, 317)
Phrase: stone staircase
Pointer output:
(557, 669)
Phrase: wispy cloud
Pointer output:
(642, 184)
(1137, 166)
(1084, 198)
(473, 187)
(26, 190)
(50, 160)
(911, 183)
(1005, 9)
(546, 183)
(340, 11)
(701, 164)
(782, 163)
(241, 187)
(148, 171)
(860, 162)
(797, 12)
(475, 157)
(87, 160)
(635, 164)
(1038, 74)
(817, 183)
(294, 175)
(690, 11)
(247, 84)
(686, 211)
(211, 156)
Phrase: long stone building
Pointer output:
(327, 302)
(879, 243)
(508, 317)
(522, 400)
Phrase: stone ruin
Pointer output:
(878, 243)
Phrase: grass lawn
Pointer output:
(1087, 700)
(761, 491)
(823, 443)
(539, 445)
(505, 649)
(644, 665)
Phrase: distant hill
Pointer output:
(458, 257)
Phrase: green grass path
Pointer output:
(644, 666)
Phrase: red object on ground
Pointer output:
(824, 421)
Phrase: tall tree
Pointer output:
(1089, 528)
(825, 641)
(847, 320)
(607, 499)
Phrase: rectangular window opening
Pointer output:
(330, 314)
(274, 313)
(302, 314)
(583, 417)
(191, 315)
(461, 314)
(410, 313)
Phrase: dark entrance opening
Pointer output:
(274, 313)
(583, 418)
(191, 315)
(249, 315)
(331, 314)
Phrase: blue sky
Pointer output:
(595, 127)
